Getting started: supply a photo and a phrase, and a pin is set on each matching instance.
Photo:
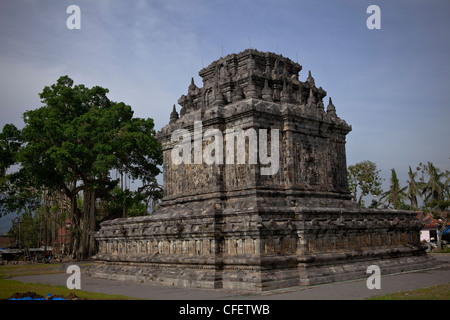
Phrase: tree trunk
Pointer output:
(360, 199)
(75, 225)
(91, 239)
(87, 246)
(414, 203)
(46, 210)
(75, 230)
(122, 187)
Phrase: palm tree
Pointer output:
(447, 183)
(434, 189)
(395, 195)
(413, 189)
(437, 195)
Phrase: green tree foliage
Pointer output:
(436, 194)
(427, 189)
(72, 143)
(16, 193)
(434, 189)
(364, 179)
(10, 143)
(24, 231)
(413, 189)
(396, 195)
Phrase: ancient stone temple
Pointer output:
(256, 193)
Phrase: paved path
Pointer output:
(347, 290)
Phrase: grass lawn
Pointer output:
(441, 292)
(9, 287)
(30, 269)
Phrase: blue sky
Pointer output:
(392, 85)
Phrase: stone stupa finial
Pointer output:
(174, 114)
(331, 109)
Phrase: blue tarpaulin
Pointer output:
(49, 297)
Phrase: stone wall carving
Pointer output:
(227, 225)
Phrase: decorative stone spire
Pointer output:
(192, 86)
(331, 109)
(251, 62)
(320, 106)
(268, 71)
(184, 105)
(174, 114)
(251, 88)
(310, 79)
(275, 71)
(267, 92)
(238, 94)
(218, 96)
(299, 96)
(285, 96)
(276, 92)
(311, 100)
(285, 70)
